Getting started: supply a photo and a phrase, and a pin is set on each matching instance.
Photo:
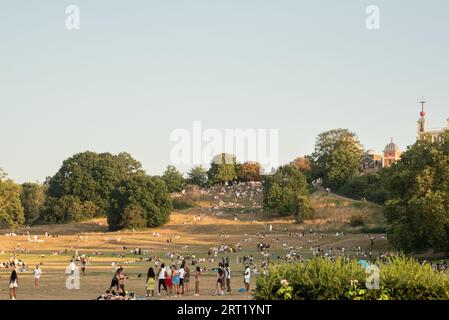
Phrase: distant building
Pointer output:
(371, 162)
(392, 154)
(423, 130)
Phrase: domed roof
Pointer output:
(370, 151)
(391, 146)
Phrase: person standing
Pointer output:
(13, 285)
(228, 278)
(83, 265)
(186, 280)
(161, 278)
(72, 267)
(37, 276)
(182, 274)
(151, 282)
(197, 281)
(247, 277)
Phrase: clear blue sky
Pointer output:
(139, 69)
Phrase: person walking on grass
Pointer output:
(247, 278)
(151, 282)
(13, 285)
(37, 275)
(197, 281)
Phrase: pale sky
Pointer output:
(137, 70)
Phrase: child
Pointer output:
(197, 281)
(151, 282)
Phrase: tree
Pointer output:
(197, 176)
(368, 186)
(139, 201)
(223, 169)
(286, 193)
(304, 164)
(250, 171)
(89, 177)
(336, 157)
(418, 206)
(173, 179)
(32, 198)
(11, 210)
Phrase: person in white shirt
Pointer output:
(161, 278)
(37, 276)
(247, 277)
(72, 267)
(182, 273)
(228, 278)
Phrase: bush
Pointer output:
(182, 204)
(378, 229)
(322, 279)
(357, 220)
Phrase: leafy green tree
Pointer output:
(418, 205)
(197, 176)
(336, 157)
(89, 177)
(223, 169)
(11, 210)
(33, 199)
(368, 186)
(173, 179)
(286, 193)
(139, 201)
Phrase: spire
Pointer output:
(422, 113)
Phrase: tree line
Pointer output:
(414, 192)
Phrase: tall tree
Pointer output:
(223, 169)
(89, 177)
(32, 198)
(138, 202)
(11, 210)
(336, 157)
(418, 190)
(286, 193)
(197, 176)
(173, 179)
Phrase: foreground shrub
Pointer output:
(322, 279)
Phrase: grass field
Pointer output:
(217, 228)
